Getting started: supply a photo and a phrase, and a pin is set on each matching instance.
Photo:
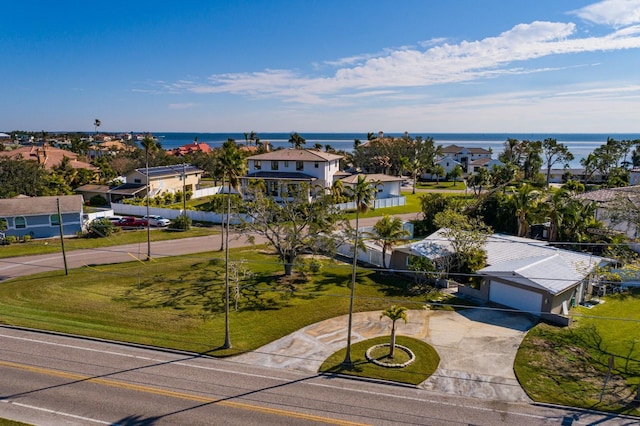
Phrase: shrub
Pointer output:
(182, 222)
(11, 239)
(98, 200)
(101, 228)
(26, 238)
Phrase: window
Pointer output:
(257, 164)
(286, 164)
(136, 180)
(299, 165)
(20, 222)
(274, 165)
(54, 219)
(315, 164)
(273, 188)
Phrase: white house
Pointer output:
(521, 273)
(464, 155)
(283, 170)
(387, 186)
(487, 163)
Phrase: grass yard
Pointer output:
(568, 365)
(446, 185)
(178, 302)
(425, 365)
(52, 245)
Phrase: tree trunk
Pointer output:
(288, 268)
(393, 340)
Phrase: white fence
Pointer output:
(378, 204)
(205, 192)
(131, 210)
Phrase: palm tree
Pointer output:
(524, 200)
(296, 140)
(394, 313)
(388, 232)
(232, 166)
(150, 146)
(438, 170)
(364, 195)
(96, 124)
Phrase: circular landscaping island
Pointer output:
(380, 355)
(413, 361)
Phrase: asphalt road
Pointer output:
(48, 379)
(28, 265)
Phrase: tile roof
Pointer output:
(49, 156)
(292, 154)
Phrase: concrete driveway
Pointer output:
(477, 348)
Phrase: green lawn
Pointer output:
(178, 302)
(568, 365)
(450, 185)
(52, 245)
(425, 365)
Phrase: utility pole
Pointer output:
(64, 254)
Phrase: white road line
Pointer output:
(184, 364)
(59, 413)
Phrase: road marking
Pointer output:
(324, 385)
(180, 395)
(60, 413)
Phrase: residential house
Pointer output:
(190, 148)
(448, 163)
(523, 274)
(38, 216)
(604, 198)
(162, 180)
(464, 156)
(387, 186)
(109, 148)
(484, 162)
(285, 169)
(578, 174)
(167, 179)
(48, 156)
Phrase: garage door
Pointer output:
(514, 297)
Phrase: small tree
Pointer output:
(388, 232)
(182, 222)
(394, 313)
(100, 228)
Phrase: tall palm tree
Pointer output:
(96, 124)
(394, 313)
(364, 195)
(388, 232)
(232, 165)
(150, 146)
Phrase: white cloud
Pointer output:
(616, 13)
(436, 63)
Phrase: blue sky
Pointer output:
(321, 66)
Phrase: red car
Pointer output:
(132, 222)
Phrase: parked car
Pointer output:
(132, 222)
(114, 219)
(155, 220)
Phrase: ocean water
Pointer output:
(580, 144)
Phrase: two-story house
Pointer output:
(284, 170)
(464, 155)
